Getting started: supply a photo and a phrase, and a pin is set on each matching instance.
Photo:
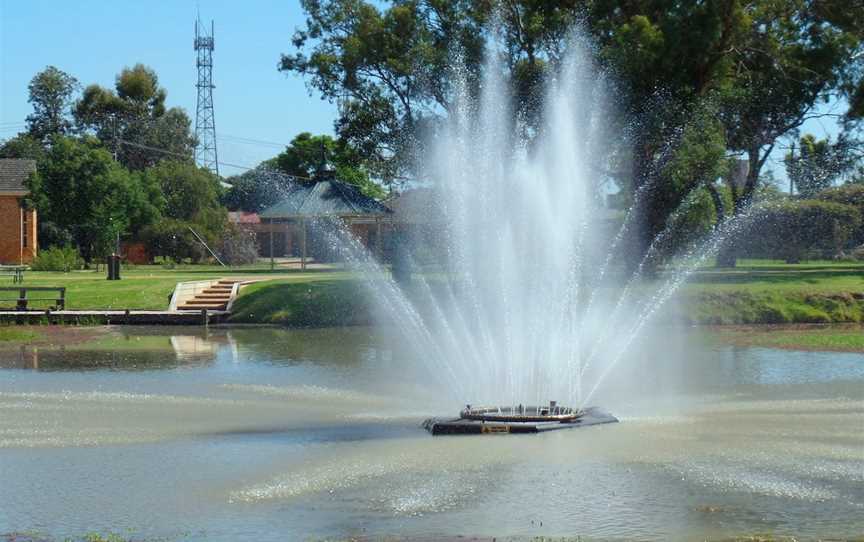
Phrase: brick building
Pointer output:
(17, 224)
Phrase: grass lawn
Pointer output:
(754, 292)
(776, 276)
(141, 287)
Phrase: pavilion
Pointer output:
(284, 227)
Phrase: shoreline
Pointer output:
(840, 338)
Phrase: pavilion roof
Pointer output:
(324, 198)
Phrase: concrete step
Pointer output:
(216, 296)
(199, 307)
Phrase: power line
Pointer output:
(186, 157)
(172, 153)
(251, 141)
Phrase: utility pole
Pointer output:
(205, 125)
(792, 161)
(114, 135)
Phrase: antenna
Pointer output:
(205, 125)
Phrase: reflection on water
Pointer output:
(219, 434)
(788, 367)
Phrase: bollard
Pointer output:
(204, 317)
(113, 266)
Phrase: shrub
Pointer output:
(173, 239)
(238, 246)
(792, 230)
(63, 259)
(848, 194)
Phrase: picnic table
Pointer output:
(15, 271)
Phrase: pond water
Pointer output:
(290, 434)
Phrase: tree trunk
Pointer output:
(726, 256)
(742, 182)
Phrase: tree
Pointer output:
(790, 59)
(309, 156)
(255, 190)
(379, 65)
(51, 92)
(762, 64)
(759, 67)
(22, 146)
(305, 159)
(134, 122)
(171, 238)
(78, 189)
(387, 69)
(190, 196)
(841, 14)
(818, 164)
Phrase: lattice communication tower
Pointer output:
(205, 125)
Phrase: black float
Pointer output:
(517, 419)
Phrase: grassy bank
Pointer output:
(756, 292)
(10, 334)
(769, 307)
(330, 301)
(773, 293)
(753, 293)
(820, 338)
(141, 287)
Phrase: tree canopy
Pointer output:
(133, 120)
(51, 93)
(83, 194)
(306, 159)
(736, 75)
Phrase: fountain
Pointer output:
(525, 301)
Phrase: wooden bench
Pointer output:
(14, 271)
(22, 300)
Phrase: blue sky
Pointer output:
(94, 39)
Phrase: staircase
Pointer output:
(213, 298)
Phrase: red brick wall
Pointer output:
(11, 249)
(135, 253)
(10, 230)
(29, 252)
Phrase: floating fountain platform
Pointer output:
(517, 419)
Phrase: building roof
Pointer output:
(324, 198)
(13, 173)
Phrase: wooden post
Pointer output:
(303, 243)
(272, 261)
(378, 239)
